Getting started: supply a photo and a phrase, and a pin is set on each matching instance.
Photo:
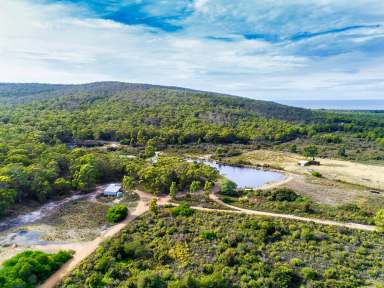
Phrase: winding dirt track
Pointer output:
(286, 216)
(84, 249)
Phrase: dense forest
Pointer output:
(41, 124)
(209, 250)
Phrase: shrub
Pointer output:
(62, 186)
(316, 174)
(228, 188)
(188, 281)
(309, 273)
(296, 262)
(306, 234)
(209, 235)
(215, 280)
(117, 213)
(228, 257)
(182, 210)
(135, 249)
(208, 185)
(379, 220)
(227, 200)
(173, 190)
(285, 277)
(150, 280)
(282, 194)
(153, 206)
(195, 186)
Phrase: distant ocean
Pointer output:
(369, 104)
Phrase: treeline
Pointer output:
(158, 177)
(40, 172)
(36, 171)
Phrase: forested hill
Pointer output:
(74, 96)
(136, 113)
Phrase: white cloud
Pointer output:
(57, 43)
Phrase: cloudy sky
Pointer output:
(271, 49)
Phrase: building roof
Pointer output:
(112, 188)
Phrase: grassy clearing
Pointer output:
(78, 220)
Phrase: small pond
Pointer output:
(246, 177)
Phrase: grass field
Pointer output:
(341, 181)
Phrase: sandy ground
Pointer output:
(84, 249)
(342, 182)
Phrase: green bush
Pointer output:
(379, 220)
(117, 213)
(296, 262)
(227, 199)
(182, 210)
(195, 186)
(285, 277)
(150, 280)
(316, 174)
(282, 194)
(135, 249)
(228, 188)
(209, 235)
(29, 268)
(309, 273)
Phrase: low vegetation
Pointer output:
(316, 174)
(182, 210)
(29, 268)
(227, 250)
(199, 200)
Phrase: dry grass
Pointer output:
(342, 182)
(76, 221)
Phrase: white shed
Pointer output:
(113, 190)
(303, 163)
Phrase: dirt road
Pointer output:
(285, 216)
(84, 249)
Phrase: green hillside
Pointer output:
(39, 123)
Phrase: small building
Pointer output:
(304, 163)
(113, 190)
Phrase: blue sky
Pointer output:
(275, 49)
